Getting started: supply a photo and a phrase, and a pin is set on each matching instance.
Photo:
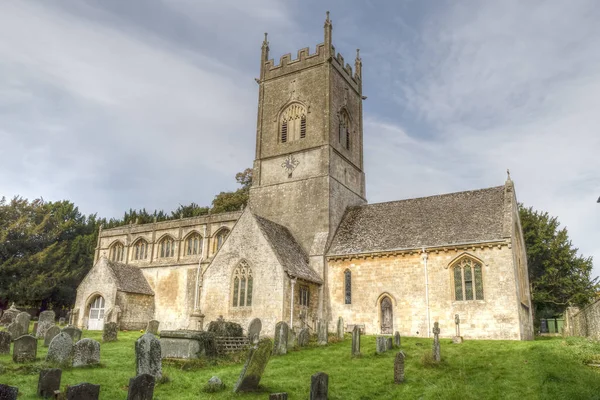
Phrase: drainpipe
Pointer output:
(293, 282)
(424, 257)
(198, 272)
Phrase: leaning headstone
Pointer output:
(83, 391)
(110, 332)
(278, 396)
(86, 352)
(356, 341)
(14, 329)
(457, 339)
(322, 333)
(436, 342)
(397, 339)
(50, 334)
(388, 343)
(141, 387)
(340, 328)
(281, 338)
(8, 392)
(152, 327)
(319, 386)
(23, 320)
(148, 356)
(45, 321)
(258, 357)
(399, 368)
(4, 342)
(62, 321)
(25, 349)
(381, 343)
(74, 332)
(48, 382)
(60, 351)
(303, 337)
(254, 331)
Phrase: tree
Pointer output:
(234, 201)
(558, 276)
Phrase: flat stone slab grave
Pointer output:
(180, 344)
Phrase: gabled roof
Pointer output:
(462, 217)
(289, 253)
(129, 279)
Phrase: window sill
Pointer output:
(458, 302)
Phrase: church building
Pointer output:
(308, 246)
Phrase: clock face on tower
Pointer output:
(289, 164)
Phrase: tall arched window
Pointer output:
(193, 244)
(220, 239)
(166, 247)
(293, 123)
(116, 252)
(468, 280)
(242, 285)
(140, 250)
(347, 287)
(344, 129)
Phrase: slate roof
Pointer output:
(129, 279)
(289, 253)
(462, 217)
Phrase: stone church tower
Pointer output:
(309, 144)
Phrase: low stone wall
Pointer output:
(584, 322)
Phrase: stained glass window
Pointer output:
(468, 280)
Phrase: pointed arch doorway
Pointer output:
(386, 316)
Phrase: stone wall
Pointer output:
(584, 322)
(136, 310)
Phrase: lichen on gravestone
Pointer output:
(258, 357)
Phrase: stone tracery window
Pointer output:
(220, 239)
(293, 123)
(193, 244)
(468, 280)
(166, 247)
(344, 129)
(242, 285)
(117, 252)
(347, 287)
(140, 250)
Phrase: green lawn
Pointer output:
(548, 368)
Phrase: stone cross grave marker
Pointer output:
(152, 327)
(83, 391)
(319, 386)
(110, 331)
(381, 343)
(45, 321)
(399, 368)
(5, 342)
(86, 352)
(50, 334)
(258, 357)
(340, 328)
(322, 331)
(141, 387)
(254, 331)
(24, 349)
(74, 332)
(436, 342)
(8, 392)
(281, 338)
(60, 351)
(148, 358)
(397, 339)
(48, 382)
(303, 337)
(356, 341)
(457, 339)
(22, 320)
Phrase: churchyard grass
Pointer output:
(545, 368)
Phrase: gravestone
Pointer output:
(25, 349)
(23, 319)
(8, 392)
(258, 357)
(141, 387)
(5, 342)
(322, 333)
(389, 343)
(399, 368)
(254, 331)
(303, 337)
(62, 321)
(381, 343)
(110, 332)
(60, 351)
(397, 339)
(35, 328)
(83, 391)
(148, 356)
(48, 382)
(281, 338)
(45, 321)
(8, 316)
(457, 339)
(319, 386)
(152, 327)
(14, 329)
(278, 396)
(291, 343)
(340, 328)
(356, 341)
(436, 342)
(74, 332)
(214, 384)
(86, 352)
(50, 334)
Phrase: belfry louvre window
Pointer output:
(166, 247)
(293, 123)
(347, 287)
(140, 250)
(468, 280)
(117, 251)
(193, 244)
(242, 285)
(304, 296)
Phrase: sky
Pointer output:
(150, 104)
